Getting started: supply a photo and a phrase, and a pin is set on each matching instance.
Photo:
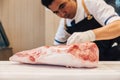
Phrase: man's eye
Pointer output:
(55, 12)
(62, 6)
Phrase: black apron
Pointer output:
(106, 51)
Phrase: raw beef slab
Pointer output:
(76, 55)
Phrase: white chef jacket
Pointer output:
(102, 12)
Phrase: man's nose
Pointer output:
(62, 13)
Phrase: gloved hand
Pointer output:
(78, 37)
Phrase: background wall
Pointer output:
(0, 8)
(51, 25)
(27, 24)
(24, 23)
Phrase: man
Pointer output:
(88, 20)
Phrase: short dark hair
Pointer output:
(46, 3)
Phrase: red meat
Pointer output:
(76, 55)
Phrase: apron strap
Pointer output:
(89, 16)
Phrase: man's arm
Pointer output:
(61, 34)
(109, 31)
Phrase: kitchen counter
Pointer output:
(106, 70)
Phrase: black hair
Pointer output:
(46, 3)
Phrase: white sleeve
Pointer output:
(61, 35)
(101, 11)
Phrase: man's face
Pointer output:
(64, 8)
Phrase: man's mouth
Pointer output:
(67, 16)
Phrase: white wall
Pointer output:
(51, 25)
(27, 24)
(24, 23)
